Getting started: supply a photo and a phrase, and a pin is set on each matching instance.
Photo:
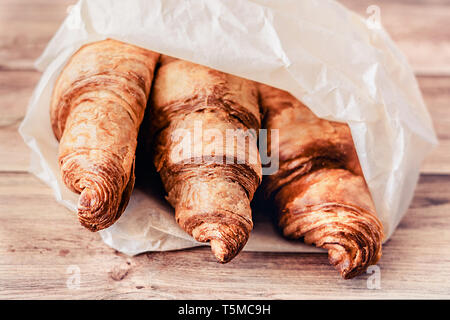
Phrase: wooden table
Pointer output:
(41, 243)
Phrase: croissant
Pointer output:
(319, 190)
(97, 106)
(209, 181)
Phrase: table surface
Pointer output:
(41, 243)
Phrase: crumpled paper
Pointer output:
(342, 67)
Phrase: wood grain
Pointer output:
(36, 266)
(15, 91)
(419, 27)
(26, 26)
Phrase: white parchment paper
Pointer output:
(342, 67)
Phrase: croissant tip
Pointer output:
(88, 222)
(221, 251)
(86, 207)
(347, 274)
(346, 267)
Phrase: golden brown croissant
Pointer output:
(319, 189)
(97, 107)
(211, 185)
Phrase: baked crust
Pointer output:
(210, 187)
(97, 106)
(319, 190)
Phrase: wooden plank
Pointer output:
(16, 88)
(25, 29)
(40, 241)
(436, 92)
(15, 91)
(419, 28)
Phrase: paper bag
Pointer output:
(342, 67)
